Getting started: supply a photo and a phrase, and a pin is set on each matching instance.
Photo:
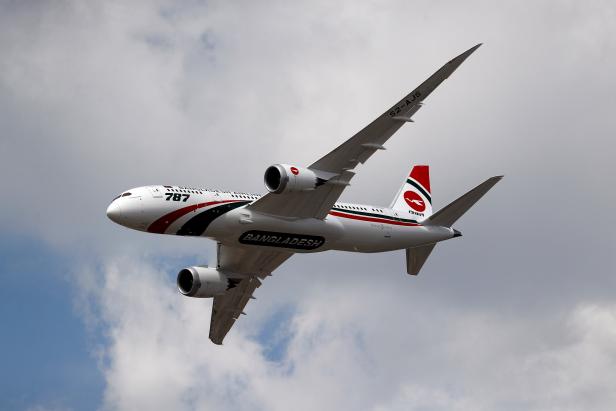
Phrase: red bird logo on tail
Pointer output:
(414, 201)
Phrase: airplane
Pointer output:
(300, 213)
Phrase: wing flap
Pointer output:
(227, 308)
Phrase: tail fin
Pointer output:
(414, 196)
(450, 213)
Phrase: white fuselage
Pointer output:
(223, 217)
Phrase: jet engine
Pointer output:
(203, 282)
(284, 178)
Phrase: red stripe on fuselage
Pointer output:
(372, 219)
(160, 226)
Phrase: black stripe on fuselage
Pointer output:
(383, 216)
(421, 190)
(199, 223)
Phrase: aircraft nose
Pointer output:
(114, 213)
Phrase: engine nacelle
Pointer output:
(203, 282)
(284, 178)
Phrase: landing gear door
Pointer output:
(157, 191)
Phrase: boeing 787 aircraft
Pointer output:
(300, 214)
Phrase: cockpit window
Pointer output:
(122, 195)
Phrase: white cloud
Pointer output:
(347, 350)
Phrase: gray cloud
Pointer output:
(98, 98)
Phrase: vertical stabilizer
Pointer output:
(414, 198)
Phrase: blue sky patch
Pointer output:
(44, 345)
(275, 334)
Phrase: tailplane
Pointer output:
(417, 256)
(451, 213)
(414, 197)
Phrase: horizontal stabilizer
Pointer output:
(416, 257)
(450, 214)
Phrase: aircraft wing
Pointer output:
(362, 145)
(358, 149)
(254, 263)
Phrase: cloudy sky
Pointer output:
(98, 97)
